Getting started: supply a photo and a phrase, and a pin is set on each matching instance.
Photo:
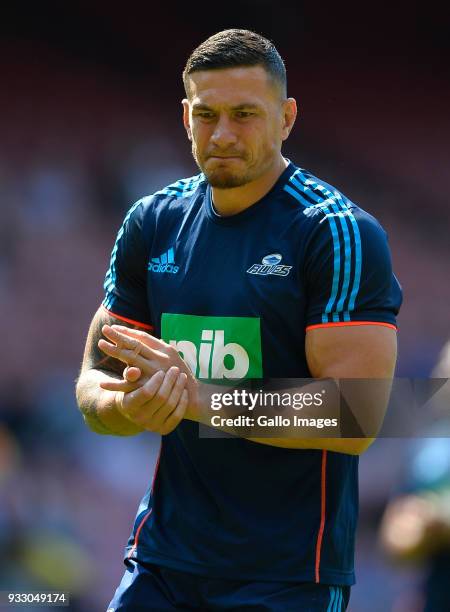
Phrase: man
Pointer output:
(252, 269)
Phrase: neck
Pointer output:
(232, 201)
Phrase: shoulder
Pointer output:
(144, 213)
(176, 196)
(326, 208)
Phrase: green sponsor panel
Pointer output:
(216, 347)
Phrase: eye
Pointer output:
(204, 114)
(244, 114)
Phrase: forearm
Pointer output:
(98, 405)
(293, 436)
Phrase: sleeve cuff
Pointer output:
(347, 323)
(127, 320)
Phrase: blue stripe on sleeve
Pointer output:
(324, 198)
(179, 189)
(305, 186)
(110, 279)
(183, 187)
(295, 194)
(347, 261)
(336, 268)
(358, 265)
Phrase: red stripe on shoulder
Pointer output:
(348, 323)
(132, 321)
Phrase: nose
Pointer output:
(223, 135)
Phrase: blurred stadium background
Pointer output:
(90, 120)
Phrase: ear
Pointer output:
(289, 116)
(186, 118)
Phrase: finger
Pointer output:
(176, 416)
(123, 341)
(170, 380)
(131, 359)
(162, 396)
(177, 390)
(119, 385)
(135, 347)
(132, 374)
(114, 351)
(134, 402)
(144, 337)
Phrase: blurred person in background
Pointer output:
(265, 523)
(415, 528)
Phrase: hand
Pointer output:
(145, 355)
(158, 405)
(411, 527)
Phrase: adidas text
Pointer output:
(158, 267)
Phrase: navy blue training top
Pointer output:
(301, 257)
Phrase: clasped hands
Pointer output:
(158, 389)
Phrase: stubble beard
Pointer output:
(221, 178)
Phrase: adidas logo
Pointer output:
(164, 263)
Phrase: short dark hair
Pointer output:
(233, 48)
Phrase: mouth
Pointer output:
(222, 157)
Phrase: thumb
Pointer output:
(132, 373)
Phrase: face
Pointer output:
(236, 119)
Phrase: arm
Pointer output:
(362, 351)
(156, 402)
(350, 334)
(366, 351)
(98, 405)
